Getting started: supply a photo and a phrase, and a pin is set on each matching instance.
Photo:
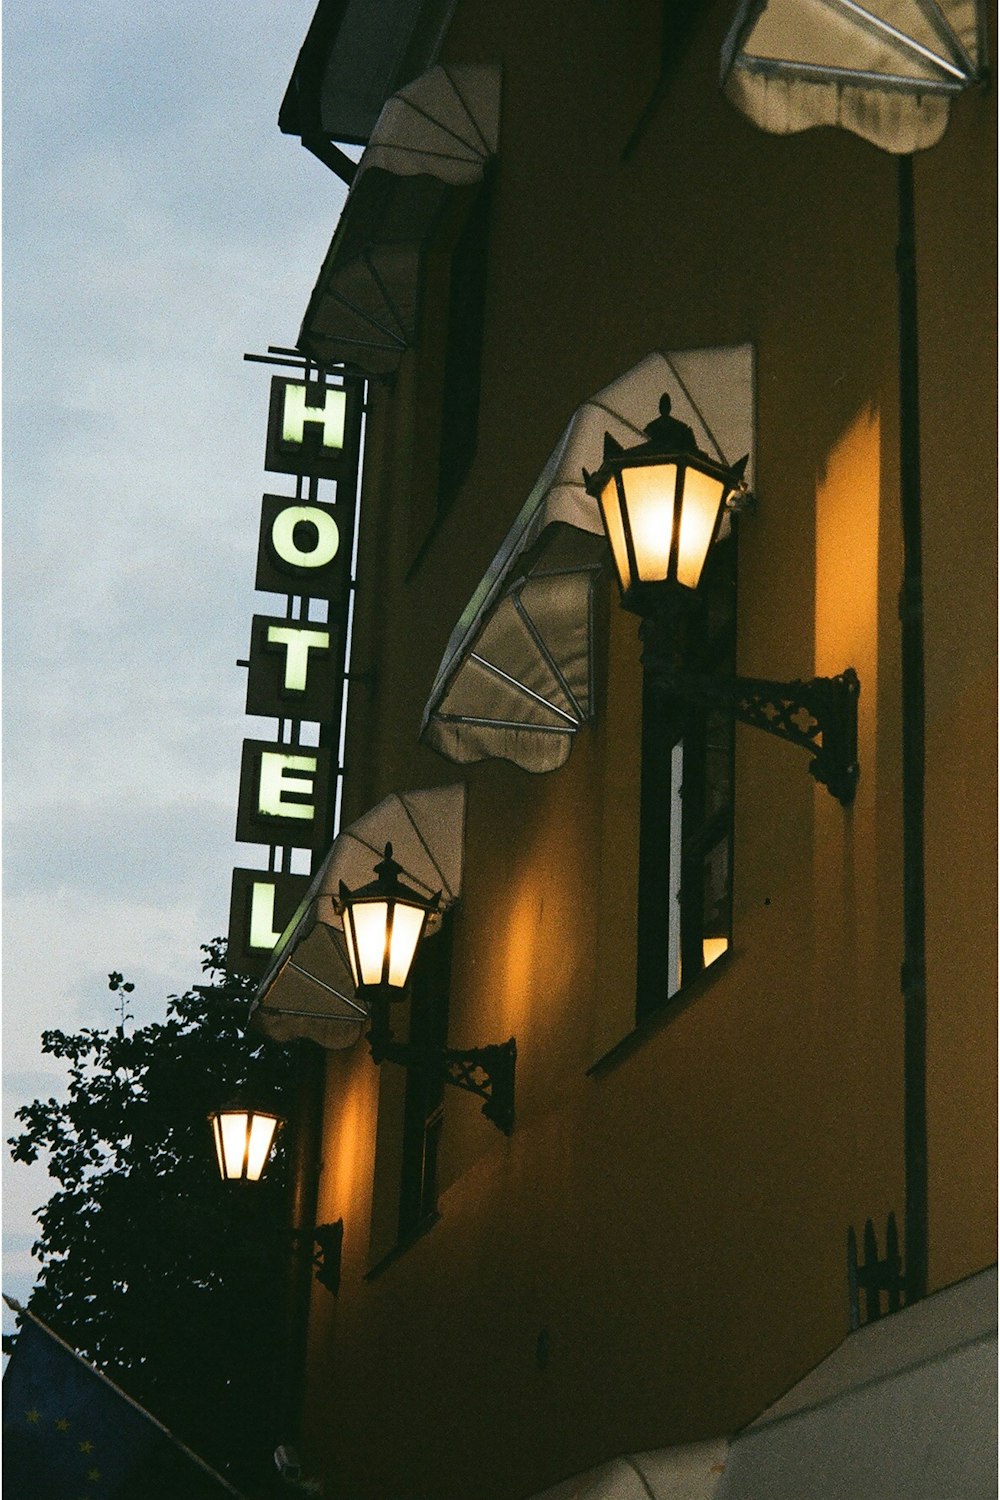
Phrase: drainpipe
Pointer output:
(913, 976)
(307, 1127)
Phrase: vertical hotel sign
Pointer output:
(297, 665)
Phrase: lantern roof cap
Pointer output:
(388, 886)
(665, 436)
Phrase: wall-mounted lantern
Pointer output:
(662, 503)
(243, 1137)
(384, 924)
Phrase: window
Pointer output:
(686, 816)
(460, 395)
(450, 356)
(423, 1112)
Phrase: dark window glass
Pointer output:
(685, 839)
(423, 1113)
(460, 394)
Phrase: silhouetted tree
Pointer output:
(164, 1277)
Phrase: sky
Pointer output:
(156, 226)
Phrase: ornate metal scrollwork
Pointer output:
(323, 1245)
(328, 1240)
(821, 715)
(486, 1071)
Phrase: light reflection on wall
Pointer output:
(348, 1141)
(544, 932)
(856, 945)
(847, 554)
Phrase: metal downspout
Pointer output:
(304, 1169)
(913, 976)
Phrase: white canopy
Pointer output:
(691, 1471)
(516, 680)
(905, 1406)
(885, 69)
(433, 137)
(446, 124)
(308, 991)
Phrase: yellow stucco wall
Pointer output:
(674, 1222)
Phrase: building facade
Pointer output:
(696, 946)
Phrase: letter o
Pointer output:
(283, 536)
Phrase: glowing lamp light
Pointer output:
(662, 503)
(383, 923)
(243, 1141)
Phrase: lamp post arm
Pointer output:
(486, 1071)
(821, 715)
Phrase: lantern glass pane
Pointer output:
(233, 1127)
(369, 920)
(217, 1137)
(351, 945)
(407, 925)
(616, 531)
(703, 497)
(262, 1128)
(649, 499)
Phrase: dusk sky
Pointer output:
(157, 225)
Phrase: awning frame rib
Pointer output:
(517, 600)
(308, 1015)
(331, 989)
(885, 28)
(567, 729)
(397, 336)
(446, 129)
(520, 687)
(775, 67)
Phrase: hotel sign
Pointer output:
(296, 669)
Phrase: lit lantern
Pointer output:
(243, 1141)
(662, 504)
(383, 923)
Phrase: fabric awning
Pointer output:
(435, 136)
(885, 69)
(691, 1471)
(906, 1405)
(308, 990)
(354, 56)
(516, 681)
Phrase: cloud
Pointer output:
(157, 225)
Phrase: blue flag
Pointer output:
(69, 1433)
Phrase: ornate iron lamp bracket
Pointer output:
(486, 1071)
(821, 715)
(322, 1245)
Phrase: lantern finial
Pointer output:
(668, 434)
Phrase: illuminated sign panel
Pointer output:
(297, 665)
(261, 906)
(294, 670)
(312, 429)
(284, 796)
(303, 548)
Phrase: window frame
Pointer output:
(423, 1103)
(677, 739)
